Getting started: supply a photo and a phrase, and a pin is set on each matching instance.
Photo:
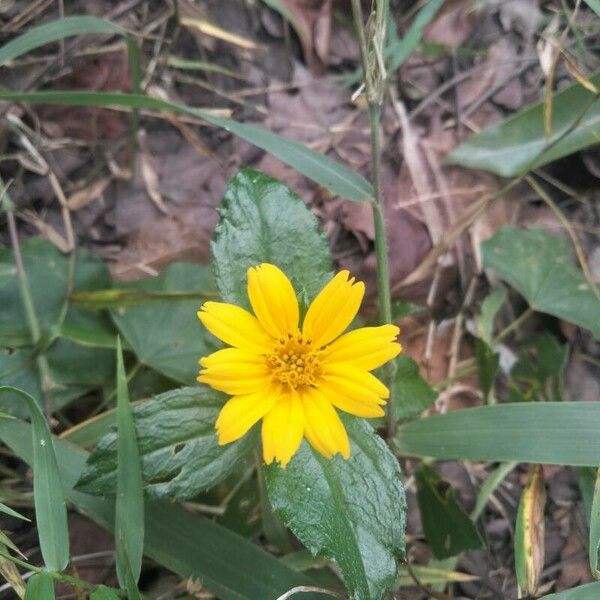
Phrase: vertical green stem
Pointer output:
(371, 51)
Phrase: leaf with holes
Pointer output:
(350, 510)
(178, 447)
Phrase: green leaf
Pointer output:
(48, 495)
(263, 221)
(167, 335)
(55, 30)
(590, 591)
(104, 593)
(489, 309)
(447, 527)
(397, 53)
(228, 565)
(539, 266)
(595, 528)
(594, 5)
(11, 513)
(74, 367)
(488, 362)
(129, 507)
(412, 394)
(316, 166)
(520, 144)
(350, 510)
(178, 447)
(564, 433)
(40, 587)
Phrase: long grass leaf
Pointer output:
(129, 509)
(40, 587)
(53, 31)
(48, 495)
(316, 166)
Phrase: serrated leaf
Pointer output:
(178, 447)
(520, 142)
(167, 335)
(350, 510)
(539, 266)
(448, 528)
(262, 220)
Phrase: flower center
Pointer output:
(294, 361)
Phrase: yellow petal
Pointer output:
(282, 429)
(322, 425)
(350, 378)
(235, 326)
(366, 348)
(240, 413)
(273, 299)
(235, 371)
(352, 401)
(333, 309)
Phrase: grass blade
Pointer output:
(560, 433)
(316, 166)
(48, 495)
(53, 31)
(129, 509)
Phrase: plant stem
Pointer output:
(27, 300)
(514, 325)
(371, 51)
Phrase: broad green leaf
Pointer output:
(178, 447)
(447, 527)
(520, 144)
(489, 309)
(488, 362)
(55, 30)
(74, 367)
(539, 266)
(595, 528)
(129, 506)
(560, 433)
(103, 593)
(48, 494)
(40, 587)
(412, 394)
(263, 221)
(352, 511)
(228, 565)
(529, 533)
(167, 335)
(319, 168)
(590, 591)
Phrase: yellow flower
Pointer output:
(291, 378)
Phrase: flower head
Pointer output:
(295, 375)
